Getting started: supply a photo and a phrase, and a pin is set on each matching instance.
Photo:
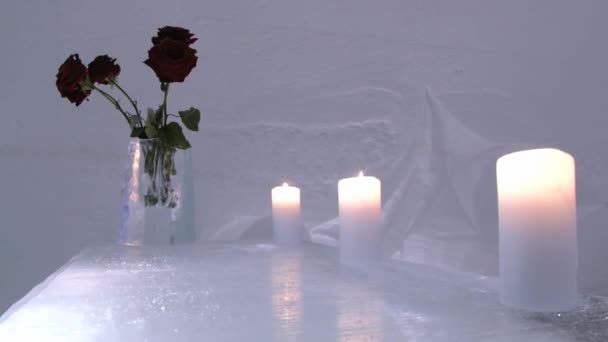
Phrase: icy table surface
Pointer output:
(253, 291)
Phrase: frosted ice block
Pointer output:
(252, 291)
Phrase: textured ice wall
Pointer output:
(512, 71)
(261, 155)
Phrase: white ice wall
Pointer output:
(348, 75)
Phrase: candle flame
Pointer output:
(360, 173)
(285, 184)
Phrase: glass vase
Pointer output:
(157, 195)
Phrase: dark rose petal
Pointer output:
(69, 76)
(172, 60)
(102, 69)
(175, 33)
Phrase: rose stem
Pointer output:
(130, 99)
(166, 91)
(114, 102)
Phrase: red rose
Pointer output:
(172, 60)
(69, 76)
(175, 33)
(102, 69)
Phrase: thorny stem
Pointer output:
(115, 83)
(114, 102)
(166, 91)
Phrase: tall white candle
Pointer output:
(360, 219)
(286, 218)
(537, 229)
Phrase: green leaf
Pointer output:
(137, 132)
(151, 124)
(133, 121)
(172, 135)
(191, 118)
(151, 114)
(159, 114)
(86, 86)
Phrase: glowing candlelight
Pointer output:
(537, 227)
(287, 223)
(360, 219)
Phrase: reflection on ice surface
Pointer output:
(286, 293)
(250, 291)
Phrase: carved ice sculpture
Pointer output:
(457, 227)
(438, 185)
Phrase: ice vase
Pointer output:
(157, 195)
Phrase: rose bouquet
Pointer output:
(172, 59)
(157, 136)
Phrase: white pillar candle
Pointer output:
(286, 218)
(360, 219)
(537, 229)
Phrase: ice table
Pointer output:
(252, 291)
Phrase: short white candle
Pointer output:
(286, 218)
(537, 229)
(360, 219)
